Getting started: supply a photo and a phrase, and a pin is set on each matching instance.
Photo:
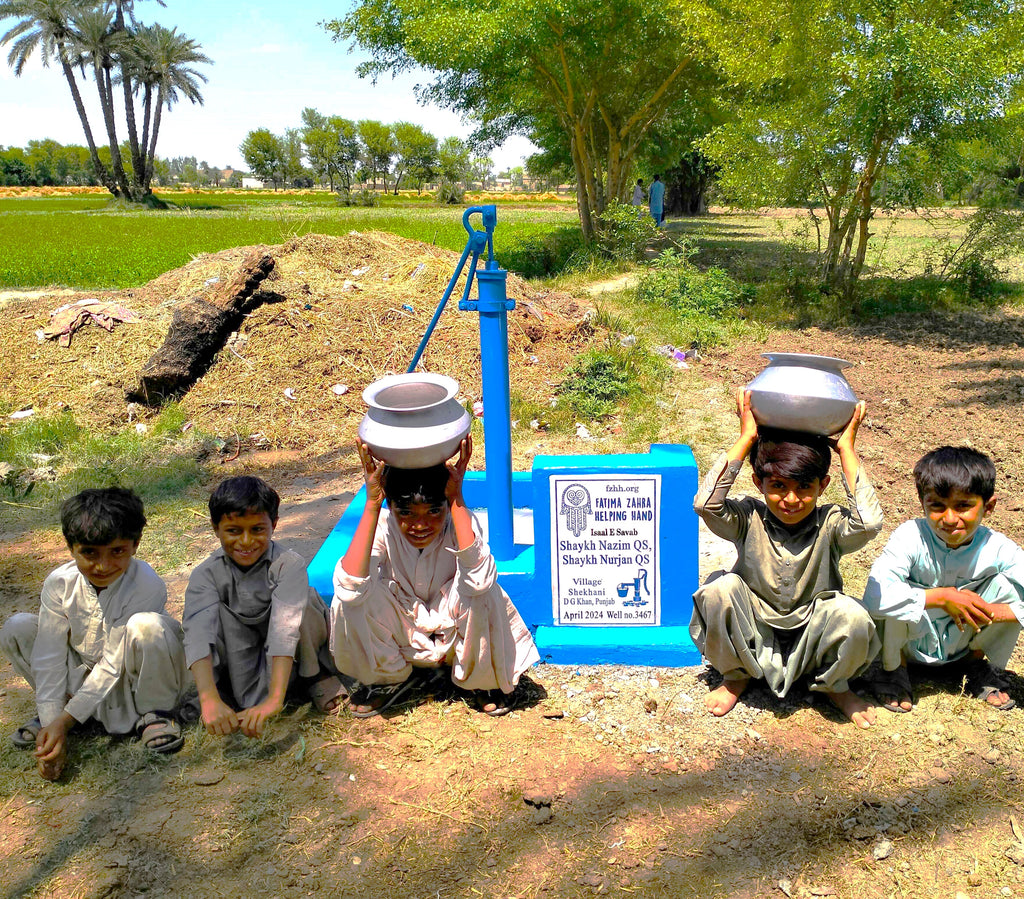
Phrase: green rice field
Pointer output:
(89, 243)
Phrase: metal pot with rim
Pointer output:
(803, 392)
(413, 420)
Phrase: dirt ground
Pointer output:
(605, 780)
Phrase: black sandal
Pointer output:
(502, 702)
(891, 688)
(983, 681)
(25, 736)
(377, 698)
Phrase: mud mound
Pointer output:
(335, 311)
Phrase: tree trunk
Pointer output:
(198, 332)
(102, 173)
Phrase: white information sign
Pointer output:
(604, 548)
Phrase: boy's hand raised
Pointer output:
(846, 439)
(748, 427)
(373, 474)
(457, 470)
(748, 424)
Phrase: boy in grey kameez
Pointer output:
(101, 646)
(249, 614)
(780, 614)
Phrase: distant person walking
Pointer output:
(657, 201)
(638, 193)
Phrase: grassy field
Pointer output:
(89, 243)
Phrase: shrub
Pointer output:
(449, 193)
(361, 197)
(674, 281)
(595, 383)
(542, 255)
(624, 232)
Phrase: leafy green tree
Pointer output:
(601, 73)
(415, 153)
(347, 149)
(453, 160)
(14, 169)
(378, 149)
(481, 168)
(265, 154)
(295, 173)
(106, 40)
(837, 92)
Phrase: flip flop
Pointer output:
(500, 701)
(327, 694)
(159, 733)
(373, 699)
(983, 680)
(891, 688)
(25, 736)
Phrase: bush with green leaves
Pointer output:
(541, 255)
(624, 232)
(703, 303)
(450, 194)
(596, 382)
(364, 197)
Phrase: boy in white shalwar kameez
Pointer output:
(946, 587)
(101, 646)
(418, 588)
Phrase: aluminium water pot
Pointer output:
(413, 420)
(801, 392)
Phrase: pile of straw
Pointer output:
(337, 311)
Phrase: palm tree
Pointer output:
(105, 39)
(96, 46)
(165, 63)
(45, 26)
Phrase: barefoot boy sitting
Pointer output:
(101, 646)
(249, 613)
(946, 587)
(418, 588)
(780, 613)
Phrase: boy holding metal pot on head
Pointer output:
(781, 613)
(417, 592)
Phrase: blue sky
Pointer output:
(271, 60)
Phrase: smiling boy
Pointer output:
(946, 587)
(249, 614)
(101, 646)
(780, 614)
(417, 589)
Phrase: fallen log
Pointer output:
(198, 332)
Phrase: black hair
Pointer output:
(243, 495)
(951, 468)
(100, 516)
(790, 454)
(405, 486)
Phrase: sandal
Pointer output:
(328, 694)
(983, 681)
(25, 736)
(159, 733)
(499, 702)
(891, 688)
(372, 699)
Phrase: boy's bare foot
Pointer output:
(723, 699)
(855, 708)
(52, 768)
